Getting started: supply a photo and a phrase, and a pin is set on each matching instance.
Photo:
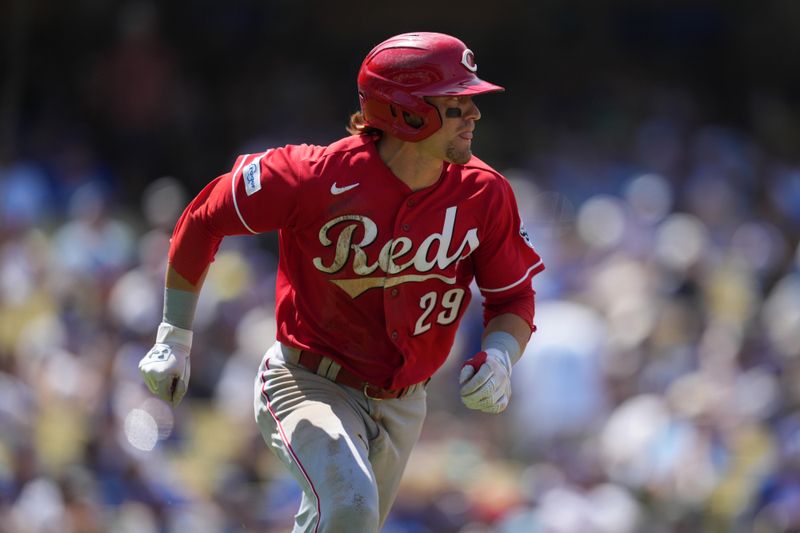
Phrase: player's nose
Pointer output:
(472, 112)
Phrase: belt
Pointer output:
(328, 368)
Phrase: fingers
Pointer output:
(477, 381)
(471, 366)
(151, 384)
(166, 372)
(477, 360)
(486, 389)
(488, 404)
(497, 406)
(173, 386)
(484, 395)
(467, 371)
(170, 388)
(163, 385)
(178, 391)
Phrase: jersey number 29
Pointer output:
(451, 303)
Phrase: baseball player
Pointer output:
(381, 234)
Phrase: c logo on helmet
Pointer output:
(468, 60)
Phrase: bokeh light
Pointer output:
(680, 241)
(650, 196)
(141, 430)
(601, 221)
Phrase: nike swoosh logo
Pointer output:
(340, 190)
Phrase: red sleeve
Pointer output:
(506, 260)
(265, 187)
(258, 195)
(521, 304)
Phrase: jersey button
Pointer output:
(395, 292)
(406, 227)
(395, 335)
(411, 203)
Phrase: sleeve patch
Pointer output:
(252, 177)
(524, 234)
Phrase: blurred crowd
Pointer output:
(661, 392)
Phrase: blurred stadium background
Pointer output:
(655, 151)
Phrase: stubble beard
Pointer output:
(456, 156)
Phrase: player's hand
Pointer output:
(166, 366)
(486, 381)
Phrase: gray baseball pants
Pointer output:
(346, 451)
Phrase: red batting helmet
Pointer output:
(398, 73)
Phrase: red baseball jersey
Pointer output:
(371, 273)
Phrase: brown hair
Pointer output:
(358, 125)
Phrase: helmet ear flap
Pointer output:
(408, 123)
(415, 121)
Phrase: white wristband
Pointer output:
(179, 307)
(504, 342)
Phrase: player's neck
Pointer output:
(410, 165)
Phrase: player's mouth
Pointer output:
(467, 135)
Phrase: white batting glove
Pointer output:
(486, 381)
(166, 366)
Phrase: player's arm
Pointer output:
(506, 262)
(232, 204)
(202, 226)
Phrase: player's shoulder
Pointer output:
(307, 160)
(350, 144)
(348, 149)
(297, 153)
(480, 173)
(312, 152)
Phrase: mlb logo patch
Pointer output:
(252, 177)
(524, 234)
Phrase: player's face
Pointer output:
(453, 142)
